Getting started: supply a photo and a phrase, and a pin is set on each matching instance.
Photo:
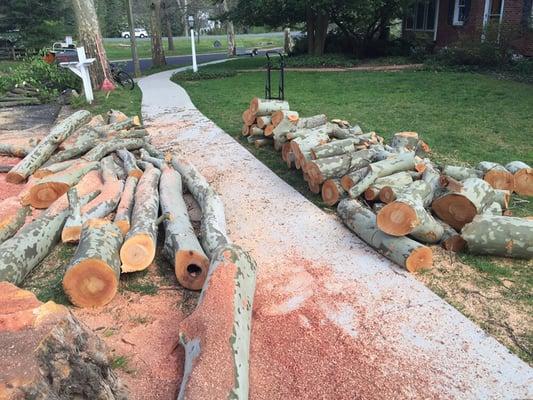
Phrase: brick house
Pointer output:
(446, 21)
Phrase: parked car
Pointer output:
(139, 32)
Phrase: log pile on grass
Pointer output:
(392, 195)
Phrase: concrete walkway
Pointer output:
(332, 318)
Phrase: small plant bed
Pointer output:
(202, 75)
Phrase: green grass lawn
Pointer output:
(6, 66)
(127, 101)
(464, 117)
(120, 49)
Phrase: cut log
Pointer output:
(255, 131)
(155, 161)
(351, 178)
(74, 151)
(312, 122)
(400, 162)
(40, 153)
(104, 148)
(260, 107)
(263, 121)
(213, 228)
(51, 354)
(181, 245)
(138, 250)
(493, 209)
(153, 151)
(502, 197)
(499, 236)
(301, 146)
(130, 163)
(523, 177)
(129, 134)
(496, 175)
(12, 217)
(54, 168)
(399, 179)
(326, 129)
(290, 117)
(269, 130)
(407, 215)
(285, 125)
(461, 173)
(332, 192)
(82, 137)
(91, 278)
(334, 148)
(20, 254)
(451, 240)
(405, 252)
(460, 206)
(263, 142)
(116, 116)
(14, 150)
(248, 117)
(224, 341)
(326, 168)
(245, 130)
(405, 141)
(123, 214)
(287, 155)
(113, 128)
(47, 190)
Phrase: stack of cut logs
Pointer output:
(21, 95)
(392, 195)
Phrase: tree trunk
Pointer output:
(218, 331)
(91, 39)
(158, 54)
(332, 192)
(51, 354)
(133, 40)
(230, 29)
(523, 177)
(352, 177)
(403, 251)
(312, 122)
(138, 250)
(168, 25)
(130, 163)
(499, 236)
(321, 31)
(87, 139)
(181, 245)
(123, 214)
(260, 107)
(40, 153)
(213, 229)
(496, 175)
(92, 276)
(12, 217)
(460, 206)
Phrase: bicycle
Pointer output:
(121, 77)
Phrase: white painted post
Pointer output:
(194, 65)
(85, 78)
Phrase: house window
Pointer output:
(459, 12)
(494, 11)
(421, 16)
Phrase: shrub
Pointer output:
(202, 75)
(325, 61)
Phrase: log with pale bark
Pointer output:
(45, 191)
(461, 173)
(14, 150)
(51, 169)
(312, 122)
(42, 152)
(92, 276)
(155, 161)
(152, 150)
(523, 177)
(213, 228)
(463, 202)
(302, 145)
(451, 240)
(352, 177)
(218, 331)
(499, 236)
(12, 217)
(398, 180)
(116, 116)
(124, 208)
(49, 354)
(104, 148)
(334, 148)
(332, 192)
(83, 136)
(405, 252)
(263, 121)
(260, 107)
(138, 250)
(405, 141)
(496, 175)
(130, 163)
(181, 247)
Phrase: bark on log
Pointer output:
(213, 229)
(12, 217)
(496, 175)
(405, 141)
(82, 136)
(326, 168)
(256, 131)
(301, 146)
(269, 130)
(152, 151)
(92, 276)
(123, 214)
(451, 239)
(290, 117)
(20, 254)
(263, 121)
(459, 207)
(326, 129)
(499, 236)
(399, 179)
(51, 169)
(523, 177)
(14, 150)
(287, 123)
(332, 192)
(40, 153)
(405, 252)
(262, 142)
(312, 122)
(73, 152)
(218, 331)
(334, 148)
(260, 107)
(401, 162)
(130, 163)
(104, 148)
(49, 354)
(181, 245)
(461, 173)
(352, 177)
(155, 161)
(47, 190)
(138, 250)
(115, 116)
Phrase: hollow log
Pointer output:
(138, 250)
(104, 148)
(224, 341)
(123, 214)
(496, 175)
(12, 217)
(213, 228)
(260, 107)
(130, 163)
(48, 189)
(400, 162)
(405, 252)
(499, 236)
(92, 276)
(49, 354)
(332, 192)
(40, 153)
(181, 245)
(461, 173)
(461, 205)
(263, 121)
(451, 240)
(14, 150)
(523, 177)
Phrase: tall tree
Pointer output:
(168, 23)
(232, 48)
(91, 38)
(133, 41)
(158, 54)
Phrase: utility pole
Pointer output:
(133, 41)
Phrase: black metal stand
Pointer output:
(271, 67)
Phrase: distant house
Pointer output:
(445, 21)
